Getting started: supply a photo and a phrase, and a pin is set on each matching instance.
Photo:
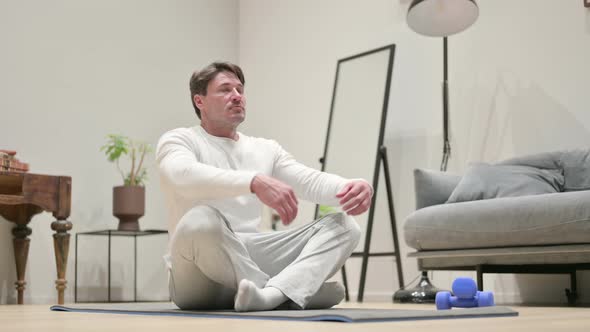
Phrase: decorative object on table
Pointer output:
(128, 199)
(363, 82)
(9, 163)
(436, 18)
(466, 296)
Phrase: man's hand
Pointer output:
(277, 195)
(355, 197)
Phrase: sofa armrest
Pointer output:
(433, 187)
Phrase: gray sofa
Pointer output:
(523, 215)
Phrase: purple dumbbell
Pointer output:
(466, 296)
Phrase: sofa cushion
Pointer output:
(575, 165)
(547, 219)
(433, 187)
(484, 181)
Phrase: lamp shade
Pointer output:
(440, 18)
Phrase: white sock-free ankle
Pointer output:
(252, 298)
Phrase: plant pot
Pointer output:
(128, 206)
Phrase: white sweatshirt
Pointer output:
(197, 168)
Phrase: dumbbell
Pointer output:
(466, 296)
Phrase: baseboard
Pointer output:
(34, 300)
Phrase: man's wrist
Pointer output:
(254, 182)
(368, 184)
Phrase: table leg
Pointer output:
(109, 269)
(61, 244)
(21, 244)
(76, 270)
(135, 268)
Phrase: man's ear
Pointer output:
(198, 100)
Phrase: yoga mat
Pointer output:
(347, 315)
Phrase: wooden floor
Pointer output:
(40, 318)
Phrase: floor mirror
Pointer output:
(354, 141)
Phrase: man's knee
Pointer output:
(348, 223)
(201, 221)
(200, 226)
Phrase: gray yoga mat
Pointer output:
(335, 314)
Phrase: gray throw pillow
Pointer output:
(433, 187)
(575, 165)
(484, 181)
(577, 177)
(576, 169)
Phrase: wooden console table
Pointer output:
(23, 195)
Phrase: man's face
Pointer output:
(225, 103)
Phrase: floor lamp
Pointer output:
(437, 18)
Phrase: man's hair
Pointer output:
(200, 79)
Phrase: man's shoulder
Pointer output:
(179, 133)
(182, 136)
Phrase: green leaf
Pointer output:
(325, 210)
(118, 146)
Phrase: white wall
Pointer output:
(73, 72)
(517, 80)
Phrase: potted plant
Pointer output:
(128, 199)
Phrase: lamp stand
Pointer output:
(445, 85)
(425, 292)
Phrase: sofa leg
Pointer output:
(479, 270)
(572, 293)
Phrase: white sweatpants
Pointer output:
(208, 259)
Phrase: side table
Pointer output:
(110, 233)
(23, 195)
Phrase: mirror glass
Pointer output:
(357, 117)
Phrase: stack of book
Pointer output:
(9, 163)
